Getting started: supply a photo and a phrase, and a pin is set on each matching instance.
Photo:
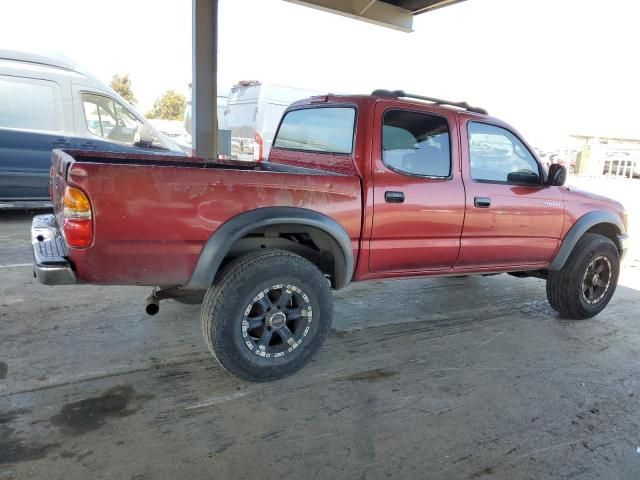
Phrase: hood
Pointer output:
(577, 194)
(579, 202)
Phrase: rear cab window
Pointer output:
(318, 130)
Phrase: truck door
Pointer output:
(32, 123)
(418, 194)
(511, 217)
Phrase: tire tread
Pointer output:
(215, 300)
(560, 282)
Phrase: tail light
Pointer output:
(257, 148)
(77, 225)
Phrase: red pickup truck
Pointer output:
(355, 188)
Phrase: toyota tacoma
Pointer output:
(355, 188)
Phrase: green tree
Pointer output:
(122, 85)
(170, 106)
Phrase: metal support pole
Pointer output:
(205, 77)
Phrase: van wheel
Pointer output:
(586, 283)
(266, 315)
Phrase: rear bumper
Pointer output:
(50, 263)
(624, 245)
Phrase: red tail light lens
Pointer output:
(78, 233)
(77, 226)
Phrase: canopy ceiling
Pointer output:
(396, 14)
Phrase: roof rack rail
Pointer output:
(439, 101)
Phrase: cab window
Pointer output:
(322, 130)
(416, 143)
(497, 155)
(108, 119)
(30, 104)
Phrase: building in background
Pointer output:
(611, 156)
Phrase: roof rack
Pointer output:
(439, 101)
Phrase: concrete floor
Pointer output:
(458, 378)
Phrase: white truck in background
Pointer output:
(252, 112)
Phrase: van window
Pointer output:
(328, 130)
(416, 143)
(108, 119)
(30, 104)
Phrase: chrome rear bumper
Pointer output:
(50, 263)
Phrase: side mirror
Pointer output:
(143, 136)
(557, 175)
(523, 177)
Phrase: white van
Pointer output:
(48, 102)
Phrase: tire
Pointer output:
(266, 315)
(571, 291)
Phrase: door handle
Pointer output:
(482, 202)
(394, 197)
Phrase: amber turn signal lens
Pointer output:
(76, 203)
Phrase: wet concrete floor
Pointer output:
(454, 378)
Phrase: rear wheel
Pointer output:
(586, 283)
(267, 314)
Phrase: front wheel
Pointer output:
(586, 283)
(267, 314)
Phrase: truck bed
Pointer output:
(152, 214)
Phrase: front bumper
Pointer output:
(50, 263)
(623, 240)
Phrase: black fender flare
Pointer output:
(578, 229)
(219, 243)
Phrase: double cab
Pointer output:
(355, 188)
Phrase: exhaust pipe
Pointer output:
(152, 306)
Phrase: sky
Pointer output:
(549, 68)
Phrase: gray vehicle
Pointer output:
(48, 102)
(187, 140)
